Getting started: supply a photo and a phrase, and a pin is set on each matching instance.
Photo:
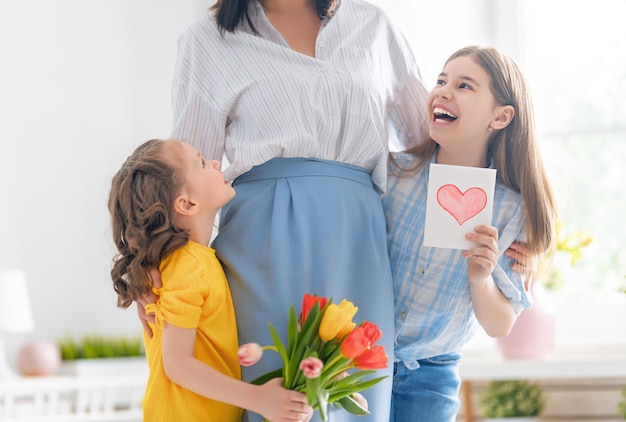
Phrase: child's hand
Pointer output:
(142, 302)
(278, 404)
(481, 260)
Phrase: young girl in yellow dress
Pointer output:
(163, 203)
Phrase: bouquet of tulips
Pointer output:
(327, 356)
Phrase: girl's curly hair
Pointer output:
(141, 207)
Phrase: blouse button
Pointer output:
(323, 69)
(333, 111)
(403, 314)
(421, 271)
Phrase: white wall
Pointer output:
(82, 82)
(435, 30)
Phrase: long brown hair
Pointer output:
(141, 207)
(514, 150)
(231, 13)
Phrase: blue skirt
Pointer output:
(301, 226)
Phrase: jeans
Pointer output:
(429, 393)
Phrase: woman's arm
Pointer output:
(407, 111)
(525, 263)
(270, 400)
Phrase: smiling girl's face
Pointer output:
(462, 107)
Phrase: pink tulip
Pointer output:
(249, 354)
(311, 367)
(362, 401)
(341, 376)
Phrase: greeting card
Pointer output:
(459, 199)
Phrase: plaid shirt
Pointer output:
(433, 306)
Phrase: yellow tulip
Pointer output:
(337, 320)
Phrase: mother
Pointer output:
(299, 96)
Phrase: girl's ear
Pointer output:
(183, 205)
(503, 117)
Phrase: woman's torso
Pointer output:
(254, 98)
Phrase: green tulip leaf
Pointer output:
(268, 376)
(352, 406)
(322, 400)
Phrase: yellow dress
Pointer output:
(195, 294)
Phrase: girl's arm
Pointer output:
(270, 400)
(492, 309)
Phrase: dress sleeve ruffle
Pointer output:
(182, 295)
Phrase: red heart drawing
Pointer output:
(461, 205)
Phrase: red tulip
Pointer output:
(371, 332)
(308, 302)
(360, 339)
(374, 358)
(355, 343)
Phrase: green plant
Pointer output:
(95, 346)
(512, 398)
(621, 407)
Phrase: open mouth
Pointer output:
(441, 115)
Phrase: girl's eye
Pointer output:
(440, 82)
(203, 163)
(464, 86)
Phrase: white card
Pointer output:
(459, 199)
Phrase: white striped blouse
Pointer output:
(251, 98)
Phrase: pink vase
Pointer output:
(40, 357)
(532, 336)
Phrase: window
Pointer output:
(576, 69)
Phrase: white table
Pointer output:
(66, 398)
(562, 365)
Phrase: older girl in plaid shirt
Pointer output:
(480, 115)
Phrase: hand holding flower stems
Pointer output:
(327, 355)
